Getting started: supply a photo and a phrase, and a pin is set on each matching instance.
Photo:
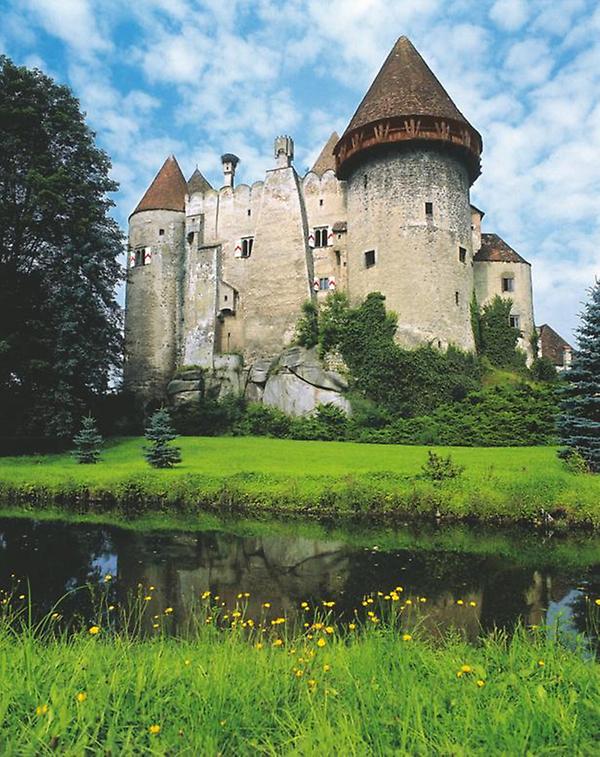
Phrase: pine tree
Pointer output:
(87, 442)
(160, 454)
(579, 421)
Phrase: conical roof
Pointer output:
(407, 103)
(197, 183)
(167, 191)
(326, 159)
(404, 86)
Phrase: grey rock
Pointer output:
(297, 397)
(180, 385)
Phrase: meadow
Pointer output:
(258, 476)
(238, 686)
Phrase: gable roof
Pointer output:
(326, 159)
(495, 250)
(404, 86)
(552, 345)
(197, 183)
(167, 191)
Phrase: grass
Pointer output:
(258, 475)
(328, 690)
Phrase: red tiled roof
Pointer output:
(167, 191)
(494, 249)
(552, 345)
(326, 159)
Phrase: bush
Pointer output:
(438, 468)
(542, 369)
(574, 461)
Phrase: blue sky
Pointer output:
(202, 77)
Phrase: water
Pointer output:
(470, 581)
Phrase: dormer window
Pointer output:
(247, 245)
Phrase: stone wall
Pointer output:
(417, 265)
(152, 301)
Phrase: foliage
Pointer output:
(160, 453)
(208, 416)
(542, 369)
(476, 323)
(60, 337)
(574, 461)
(307, 329)
(498, 339)
(440, 468)
(87, 442)
(579, 422)
(223, 691)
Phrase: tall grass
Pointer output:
(232, 689)
(313, 479)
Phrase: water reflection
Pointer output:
(462, 590)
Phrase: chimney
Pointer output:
(284, 151)
(229, 162)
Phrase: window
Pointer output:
(321, 203)
(249, 212)
(141, 256)
(323, 284)
(321, 236)
(369, 258)
(190, 237)
(365, 181)
(508, 284)
(457, 297)
(338, 257)
(515, 321)
(247, 245)
(161, 232)
(429, 209)
(462, 254)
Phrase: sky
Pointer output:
(198, 78)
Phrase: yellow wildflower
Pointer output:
(111, 608)
(406, 637)
(94, 630)
(321, 642)
(328, 604)
(186, 662)
(481, 683)
(21, 596)
(266, 605)
(154, 729)
(41, 709)
(597, 601)
(168, 610)
(408, 602)
(329, 629)
(312, 683)
(299, 673)
(81, 696)
(541, 663)
(326, 668)
(206, 595)
(278, 643)
(423, 599)
(317, 626)
(147, 598)
(304, 605)
(239, 596)
(472, 604)
(459, 602)
(351, 626)
(398, 588)
(151, 588)
(236, 614)
(107, 578)
(466, 669)
(258, 645)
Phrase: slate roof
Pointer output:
(495, 250)
(326, 159)
(197, 183)
(552, 345)
(167, 191)
(404, 86)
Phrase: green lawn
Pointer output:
(335, 478)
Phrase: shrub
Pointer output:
(438, 468)
(307, 328)
(574, 461)
(261, 420)
(542, 369)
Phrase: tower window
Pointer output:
(508, 284)
(249, 212)
(321, 234)
(429, 209)
(462, 254)
(321, 203)
(365, 181)
(457, 297)
(190, 237)
(139, 257)
(324, 284)
(515, 321)
(369, 258)
(338, 257)
(161, 232)
(247, 245)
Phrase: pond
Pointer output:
(449, 577)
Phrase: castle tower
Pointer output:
(229, 162)
(152, 310)
(409, 157)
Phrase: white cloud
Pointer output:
(510, 14)
(72, 21)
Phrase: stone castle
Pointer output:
(217, 277)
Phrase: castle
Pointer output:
(217, 277)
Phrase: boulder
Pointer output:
(180, 385)
(294, 396)
(305, 364)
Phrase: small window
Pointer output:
(321, 234)
(321, 203)
(323, 285)
(365, 181)
(515, 321)
(429, 209)
(462, 254)
(161, 232)
(338, 257)
(508, 284)
(225, 297)
(369, 258)
(139, 256)
(247, 245)
(457, 297)
(249, 212)
(190, 237)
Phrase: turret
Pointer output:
(284, 151)
(156, 244)
(409, 157)
(229, 162)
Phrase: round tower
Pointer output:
(155, 257)
(409, 157)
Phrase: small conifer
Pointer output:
(87, 442)
(579, 421)
(160, 433)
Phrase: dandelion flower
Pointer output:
(329, 629)
(94, 630)
(111, 608)
(541, 663)
(81, 696)
(423, 599)
(41, 709)
(480, 683)
(459, 602)
(351, 626)
(299, 673)
(326, 668)
(304, 605)
(258, 645)
(597, 601)
(239, 596)
(147, 598)
(466, 669)
(186, 662)
(278, 643)
(107, 578)
(406, 637)
(154, 729)
(312, 683)
(328, 604)
(21, 596)
(321, 642)
(472, 604)
(266, 605)
(168, 610)
(206, 595)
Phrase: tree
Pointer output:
(60, 336)
(498, 339)
(160, 454)
(87, 442)
(579, 420)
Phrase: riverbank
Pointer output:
(325, 480)
(354, 691)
